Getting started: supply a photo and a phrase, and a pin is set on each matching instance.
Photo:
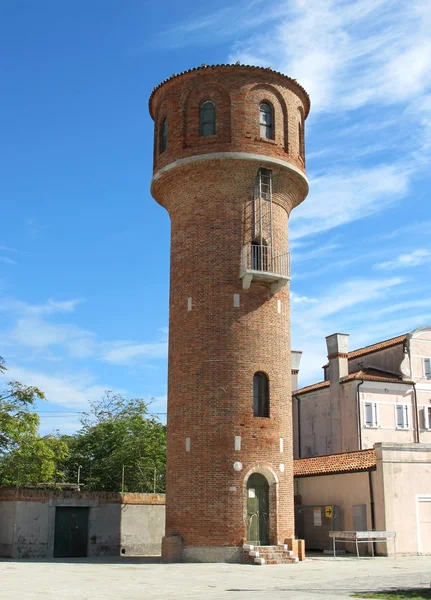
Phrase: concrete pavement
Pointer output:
(141, 579)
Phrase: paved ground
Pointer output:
(140, 579)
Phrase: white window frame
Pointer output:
(374, 415)
(427, 417)
(402, 409)
(427, 367)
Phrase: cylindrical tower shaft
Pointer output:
(229, 391)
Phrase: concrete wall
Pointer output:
(7, 522)
(142, 530)
(405, 475)
(343, 490)
(129, 524)
(31, 530)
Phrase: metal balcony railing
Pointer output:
(265, 263)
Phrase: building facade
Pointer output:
(386, 488)
(380, 393)
(229, 166)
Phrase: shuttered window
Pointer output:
(371, 414)
(427, 368)
(427, 417)
(402, 412)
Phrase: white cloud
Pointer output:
(340, 198)
(7, 261)
(347, 54)
(413, 259)
(65, 389)
(126, 352)
(350, 306)
(302, 299)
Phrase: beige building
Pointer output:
(386, 488)
(380, 393)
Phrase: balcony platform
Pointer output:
(265, 263)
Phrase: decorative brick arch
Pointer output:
(261, 93)
(202, 92)
(273, 481)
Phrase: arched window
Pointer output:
(301, 140)
(207, 119)
(301, 135)
(163, 135)
(266, 121)
(260, 395)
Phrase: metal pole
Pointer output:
(155, 479)
(79, 476)
(122, 480)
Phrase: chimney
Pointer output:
(337, 345)
(295, 359)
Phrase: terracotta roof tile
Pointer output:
(370, 374)
(311, 388)
(252, 67)
(399, 339)
(348, 462)
(378, 346)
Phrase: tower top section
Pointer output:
(227, 68)
(235, 109)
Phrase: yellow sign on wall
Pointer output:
(328, 511)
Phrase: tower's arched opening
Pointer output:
(258, 510)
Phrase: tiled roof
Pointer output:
(379, 346)
(367, 373)
(311, 388)
(370, 374)
(399, 339)
(349, 462)
(221, 66)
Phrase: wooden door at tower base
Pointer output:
(71, 532)
(257, 510)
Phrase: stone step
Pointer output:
(269, 555)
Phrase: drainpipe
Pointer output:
(415, 401)
(298, 402)
(373, 516)
(358, 405)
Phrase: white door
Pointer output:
(424, 524)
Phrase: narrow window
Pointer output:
(427, 417)
(301, 139)
(207, 120)
(427, 368)
(260, 395)
(266, 121)
(371, 417)
(163, 135)
(402, 411)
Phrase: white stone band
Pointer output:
(231, 155)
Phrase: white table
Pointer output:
(362, 537)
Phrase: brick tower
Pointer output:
(229, 167)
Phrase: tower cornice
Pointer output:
(250, 68)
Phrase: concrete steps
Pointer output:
(268, 555)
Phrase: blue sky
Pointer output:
(84, 250)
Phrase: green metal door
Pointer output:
(71, 532)
(257, 510)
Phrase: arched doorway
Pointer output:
(258, 510)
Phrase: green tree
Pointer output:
(34, 461)
(25, 457)
(118, 436)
